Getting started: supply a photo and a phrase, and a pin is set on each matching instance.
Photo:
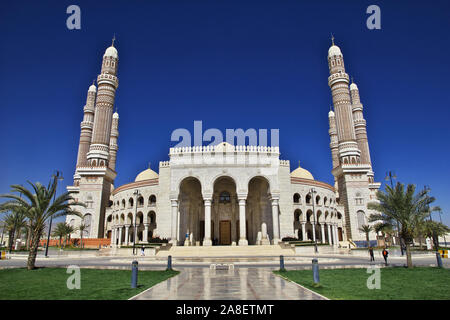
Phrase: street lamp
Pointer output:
(312, 192)
(389, 176)
(59, 177)
(136, 193)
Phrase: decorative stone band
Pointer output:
(87, 125)
(98, 151)
(284, 163)
(348, 148)
(338, 77)
(164, 164)
(230, 148)
(132, 185)
(107, 78)
(312, 183)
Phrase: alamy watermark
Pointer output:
(74, 20)
(214, 136)
(374, 281)
(74, 281)
(374, 20)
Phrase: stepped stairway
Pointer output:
(227, 251)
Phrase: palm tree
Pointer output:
(60, 231)
(39, 208)
(432, 229)
(69, 230)
(405, 206)
(13, 221)
(366, 229)
(82, 228)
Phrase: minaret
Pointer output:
(333, 139)
(86, 130)
(113, 147)
(98, 155)
(338, 82)
(360, 125)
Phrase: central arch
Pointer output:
(224, 212)
(259, 212)
(192, 212)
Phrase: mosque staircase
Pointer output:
(227, 251)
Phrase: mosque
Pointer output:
(225, 194)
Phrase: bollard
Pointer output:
(439, 260)
(134, 274)
(169, 263)
(315, 269)
(282, 264)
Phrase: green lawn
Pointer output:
(396, 283)
(50, 284)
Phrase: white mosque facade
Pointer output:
(224, 194)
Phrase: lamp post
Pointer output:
(389, 176)
(436, 246)
(59, 177)
(136, 193)
(312, 192)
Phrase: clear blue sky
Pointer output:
(231, 64)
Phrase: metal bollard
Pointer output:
(282, 263)
(439, 260)
(134, 274)
(315, 269)
(169, 263)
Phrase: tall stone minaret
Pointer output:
(86, 130)
(360, 125)
(95, 172)
(98, 155)
(113, 147)
(338, 82)
(352, 169)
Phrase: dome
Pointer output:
(302, 173)
(353, 86)
(115, 115)
(334, 51)
(92, 88)
(111, 52)
(330, 114)
(224, 147)
(146, 175)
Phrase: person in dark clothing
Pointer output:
(372, 258)
(385, 255)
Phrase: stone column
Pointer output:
(145, 235)
(207, 240)
(336, 234)
(113, 236)
(329, 234)
(127, 238)
(120, 236)
(174, 204)
(322, 232)
(275, 221)
(304, 237)
(242, 229)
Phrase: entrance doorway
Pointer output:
(225, 232)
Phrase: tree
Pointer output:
(13, 221)
(60, 231)
(406, 206)
(366, 229)
(82, 228)
(69, 230)
(432, 229)
(39, 208)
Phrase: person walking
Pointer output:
(372, 258)
(385, 255)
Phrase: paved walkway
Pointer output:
(237, 284)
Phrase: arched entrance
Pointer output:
(259, 212)
(224, 212)
(192, 212)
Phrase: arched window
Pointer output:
(317, 199)
(224, 197)
(152, 200)
(296, 198)
(361, 218)
(141, 201)
(308, 198)
(123, 203)
(130, 203)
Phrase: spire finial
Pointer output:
(299, 163)
(332, 39)
(113, 39)
(93, 82)
(149, 165)
(353, 80)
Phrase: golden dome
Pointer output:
(146, 175)
(302, 173)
